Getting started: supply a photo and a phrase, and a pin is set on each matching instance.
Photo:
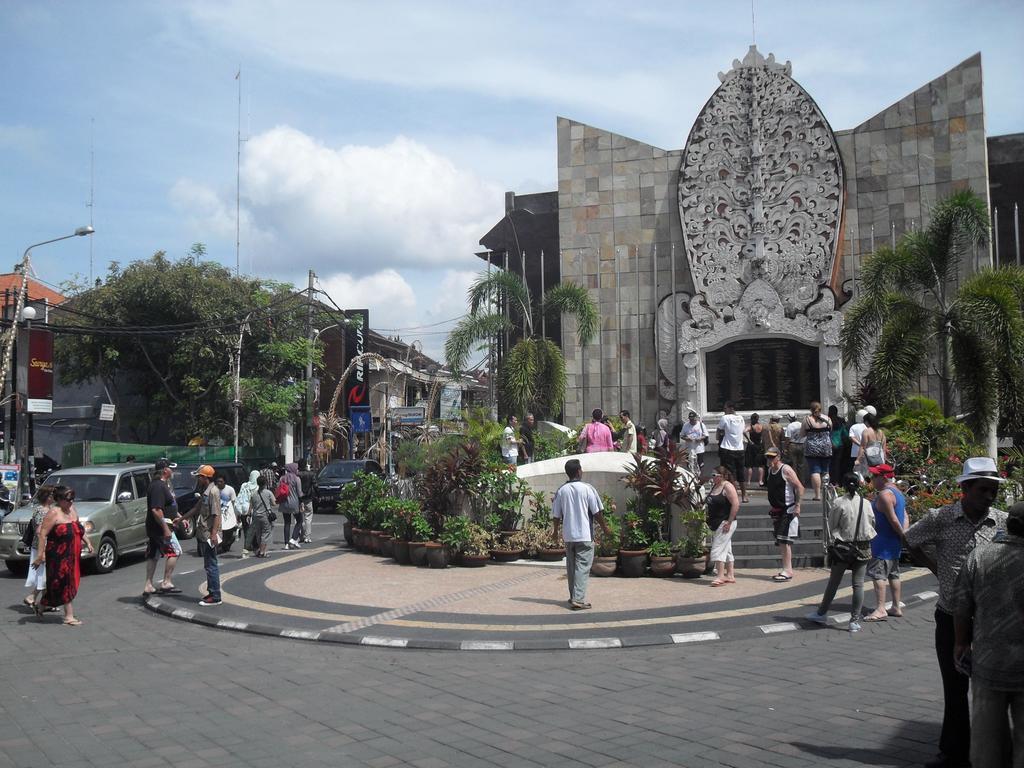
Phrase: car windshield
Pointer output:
(183, 481)
(341, 471)
(86, 487)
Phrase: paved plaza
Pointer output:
(132, 687)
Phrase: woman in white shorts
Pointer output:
(723, 506)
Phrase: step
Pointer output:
(766, 534)
(773, 561)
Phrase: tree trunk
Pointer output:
(946, 363)
(992, 435)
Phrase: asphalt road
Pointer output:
(132, 688)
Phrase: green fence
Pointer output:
(102, 452)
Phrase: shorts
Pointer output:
(819, 465)
(733, 461)
(162, 547)
(787, 528)
(883, 570)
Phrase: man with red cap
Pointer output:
(206, 511)
(890, 508)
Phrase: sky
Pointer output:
(380, 138)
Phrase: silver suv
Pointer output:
(111, 503)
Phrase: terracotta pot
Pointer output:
(358, 540)
(506, 555)
(663, 565)
(400, 551)
(551, 555)
(346, 529)
(375, 541)
(689, 567)
(418, 553)
(437, 555)
(387, 545)
(474, 561)
(634, 562)
(604, 566)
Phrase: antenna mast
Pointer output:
(92, 167)
(238, 178)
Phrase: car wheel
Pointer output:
(17, 567)
(106, 555)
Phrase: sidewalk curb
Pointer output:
(208, 617)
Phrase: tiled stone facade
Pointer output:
(617, 201)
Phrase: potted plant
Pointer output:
(476, 550)
(633, 554)
(541, 541)
(690, 554)
(508, 546)
(455, 535)
(420, 535)
(606, 545)
(401, 514)
(663, 559)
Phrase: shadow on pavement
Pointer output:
(913, 744)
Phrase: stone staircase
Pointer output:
(753, 543)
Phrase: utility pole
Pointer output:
(236, 404)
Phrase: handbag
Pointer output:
(874, 454)
(819, 442)
(271, 514)
(847, 551)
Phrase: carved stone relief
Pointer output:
(760, 202)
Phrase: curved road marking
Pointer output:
(515, 627)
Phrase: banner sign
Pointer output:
(451, 402)
(408, 416)
(362, 421)
(357, 387)
(35, 369)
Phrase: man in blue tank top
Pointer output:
(890, 509)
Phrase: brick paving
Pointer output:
(131, 688)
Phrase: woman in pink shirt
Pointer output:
(596, 437)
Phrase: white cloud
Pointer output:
(386, 294)
(352, 208)
(22, 138)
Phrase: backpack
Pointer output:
(281, 494)
(839, 437)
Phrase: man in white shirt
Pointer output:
(628, 444)
(731, 450)
(575, 508)
(695, 435)
(795, 441)
(509, 444)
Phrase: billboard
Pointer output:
(357, 387)
(35, 369)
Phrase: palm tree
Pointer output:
(532, 375)
(911, 312)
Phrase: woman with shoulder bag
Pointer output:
(851, 527)
(818, 448)
(261, 509)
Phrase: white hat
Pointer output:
(980, 468)
(871, 409)
(860, 415)
(791, 415)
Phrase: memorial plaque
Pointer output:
(763, 375)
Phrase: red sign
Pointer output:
(35, 369)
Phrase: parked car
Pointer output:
(334, 475)
(111, 503)
(183, 484)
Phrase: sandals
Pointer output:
(172, 590)
(781, 577)
(73, 622)
(873, 619)
(719, 583)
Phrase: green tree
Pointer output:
(162, 335)
(911, 311)
(532, 374)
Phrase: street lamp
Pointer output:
(19, 307)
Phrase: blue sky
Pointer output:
(382, 136)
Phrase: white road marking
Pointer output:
(596, 642)
(786, 626)
(486, 645)
(386, 642)
(695, 637)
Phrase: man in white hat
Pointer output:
(942, 540)
(856, 433)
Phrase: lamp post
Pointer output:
(19, 306)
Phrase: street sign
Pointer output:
(107, 412)
(361, 419)
(408, 416)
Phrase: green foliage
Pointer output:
(422, 530)
(634, 531)
(911, 310)
(501, 493)
(659, 548)
(456, 532)
(540, 510)
(607, 544)
(480, 541)
(401, 519)
(532, 374)
(548, 446)
(360, 501)
(662, 490)
(185, 378)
